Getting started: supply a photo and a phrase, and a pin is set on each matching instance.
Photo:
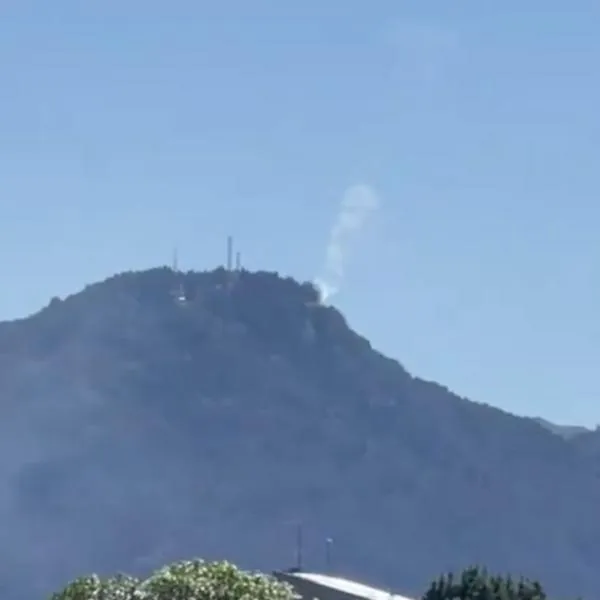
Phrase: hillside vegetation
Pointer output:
(136, 428)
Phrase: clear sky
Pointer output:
(127, 127)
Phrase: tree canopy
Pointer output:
(187, 580)
(477, 584)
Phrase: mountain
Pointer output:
(588, 444)
(158, 415)
(566, 431)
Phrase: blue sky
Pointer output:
(128, 127)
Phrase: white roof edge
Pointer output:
(349, 587)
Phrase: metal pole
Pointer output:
(229, 252)
(328, 545)
(299, 542)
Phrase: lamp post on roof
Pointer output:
(328, 547)
(299, 542)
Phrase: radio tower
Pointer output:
(178, 291)
(229, 253)
(175, 265)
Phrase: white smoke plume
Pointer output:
(358, 202)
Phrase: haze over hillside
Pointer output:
(158, 415)
(567, 431)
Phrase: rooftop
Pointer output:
(348, 586)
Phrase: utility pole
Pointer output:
(229, 253)
(328, 547)
(299, 543)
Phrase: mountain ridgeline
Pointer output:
(159, 415)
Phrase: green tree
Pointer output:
(187, 580)
(475, 583)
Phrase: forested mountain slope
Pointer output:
(566, 431)
(137, 428)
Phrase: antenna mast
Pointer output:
(178, 291)
(175, 262)
(328, 545)
(229, 253)
(299, 541)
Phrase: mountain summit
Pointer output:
(159, 415)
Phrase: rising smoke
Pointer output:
(358, 202)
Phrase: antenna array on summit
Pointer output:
(238, 257)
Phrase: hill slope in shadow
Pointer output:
(566, 431)
(137, 429)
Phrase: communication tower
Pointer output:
(229, 253)
(178, 291)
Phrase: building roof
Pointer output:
(348, 586)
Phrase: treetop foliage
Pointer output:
(476, 584)
(186, 580)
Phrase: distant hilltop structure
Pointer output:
(238, 257)
(232, 268)
(230, 265)
(227, 277)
